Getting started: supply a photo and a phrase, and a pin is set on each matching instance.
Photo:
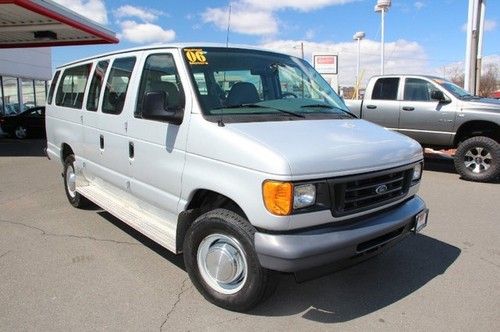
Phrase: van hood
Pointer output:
(331, 147)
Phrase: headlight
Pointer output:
(304, 196)
(281, 198)
(417, 173)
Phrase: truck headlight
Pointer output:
(304, 195)
(417, 173)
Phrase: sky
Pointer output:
(421, 37)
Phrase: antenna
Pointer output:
(228, 26)
(220, 123)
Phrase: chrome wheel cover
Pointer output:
(222, 263)
(71, 181)
(477, 160)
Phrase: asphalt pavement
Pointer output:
(64, 269)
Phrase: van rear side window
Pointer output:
(53, 87)
(72, 86)
(96, 85)
(117, 84)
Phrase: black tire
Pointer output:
(74, 198)
(259, 283)
(478, 159)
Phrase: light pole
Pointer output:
(301, 49)
(382, 6)
(358, 36)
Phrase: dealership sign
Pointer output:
(326, 63)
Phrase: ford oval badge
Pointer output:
(381, 189)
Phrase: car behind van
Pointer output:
(243, 160)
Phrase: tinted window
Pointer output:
(160, 75)
(72, 86)
(117, 84)
(418, 90)
(96, 84)
(386, 88)
(52, 87)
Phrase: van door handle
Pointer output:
(408, 108)
(372, 107)
(131, 150)
(101, 142)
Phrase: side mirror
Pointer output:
(438, 95)
(154, 108)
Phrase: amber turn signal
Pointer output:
(278, 197)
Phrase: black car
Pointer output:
(30, 123)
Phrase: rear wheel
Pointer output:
(478, 159)
(69, 174)
(221, 261)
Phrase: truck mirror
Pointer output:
(154, 108)
(438, 95)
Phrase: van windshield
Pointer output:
(246, 85)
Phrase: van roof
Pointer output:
(162, 46)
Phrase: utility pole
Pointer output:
(473, 51)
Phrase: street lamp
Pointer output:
(358, 36)
(301, 49)
(382, 6)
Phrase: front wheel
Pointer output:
(478, 159)
(221, 261)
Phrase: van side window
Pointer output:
(418, 90)
(386, 88)
(117, 84)
(96, 85)
(160, 74)
(72, 86)
(53, 87)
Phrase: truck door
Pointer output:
(156, 148)
(426, 120)
(382, 107)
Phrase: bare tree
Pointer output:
(489, 80)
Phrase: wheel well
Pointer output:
(477, 128)
(65, 152)
(203, 201)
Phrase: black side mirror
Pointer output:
(154, 108)
(438, 95)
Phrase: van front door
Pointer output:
(156, 148)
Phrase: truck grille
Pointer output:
(367, 191)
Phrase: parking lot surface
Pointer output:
(67, 269)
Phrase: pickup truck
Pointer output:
(437, 114)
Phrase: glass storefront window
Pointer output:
(28, 94)
(40, 93)
(11, 95)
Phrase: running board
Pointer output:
(145, 218)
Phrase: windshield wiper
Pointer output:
(261, 106)
(330, 107)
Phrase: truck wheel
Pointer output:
(221, 261)
(478, 159)
(69, 176)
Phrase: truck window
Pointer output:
(160, 75)
(52, 87)
(417, 89)
(72, 86)
(386, 88)
(117, 84)
(96, 85)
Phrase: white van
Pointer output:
(244, 160)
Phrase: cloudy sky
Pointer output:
(425, 36)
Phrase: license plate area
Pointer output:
(421, 220)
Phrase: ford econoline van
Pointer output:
(243, 160)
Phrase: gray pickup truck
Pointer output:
(438, 114)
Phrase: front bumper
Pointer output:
(300, 251)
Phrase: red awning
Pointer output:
(42, 23)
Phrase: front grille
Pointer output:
(367, 191)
